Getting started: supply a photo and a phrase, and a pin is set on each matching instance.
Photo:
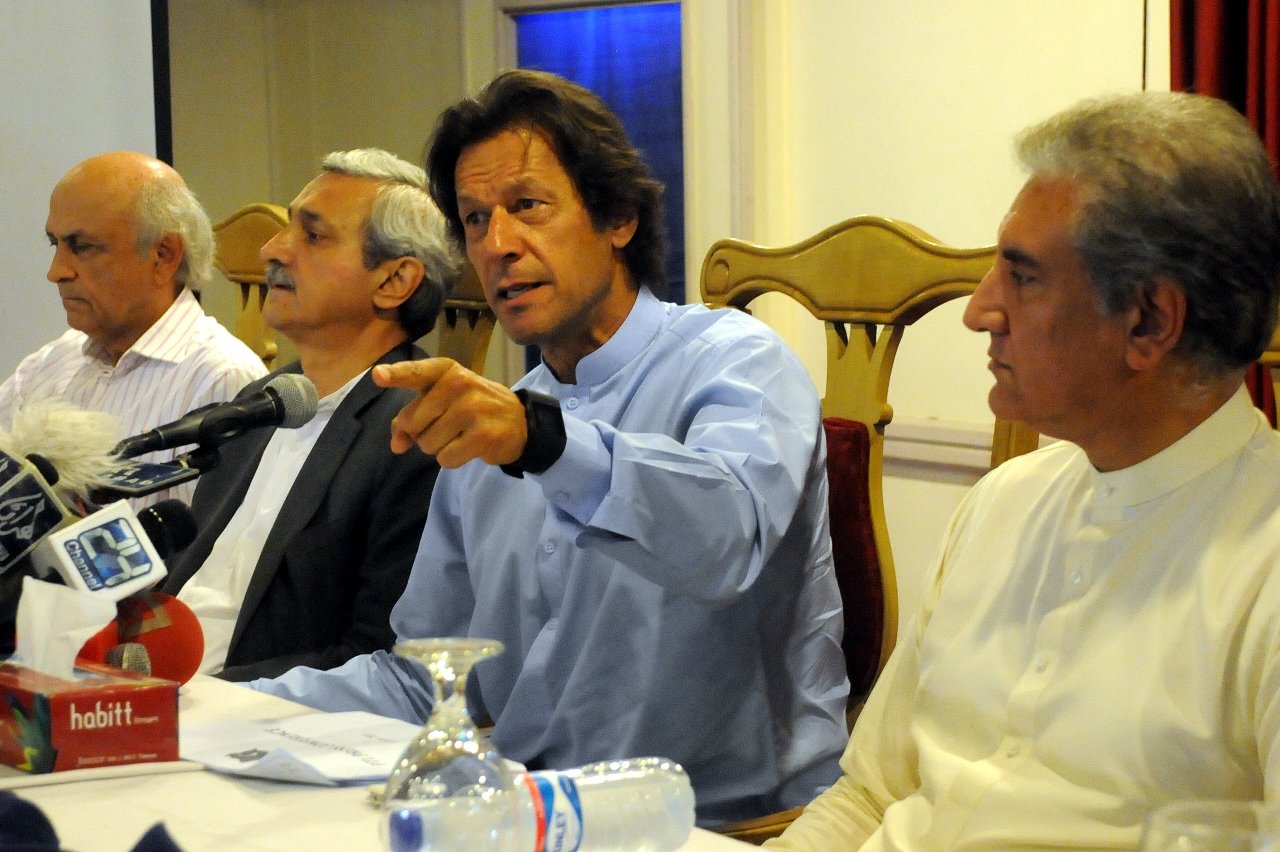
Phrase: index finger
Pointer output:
(419, 375)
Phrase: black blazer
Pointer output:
(339, 553)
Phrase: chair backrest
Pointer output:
(239, 238)
(466, 323)
(867, 278)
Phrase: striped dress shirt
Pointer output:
(185, 360)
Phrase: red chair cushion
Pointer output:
(853, 547)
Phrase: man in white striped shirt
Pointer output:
(130, 245)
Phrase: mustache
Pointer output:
(277, 277)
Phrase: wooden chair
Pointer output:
(239, 238)
(466, 323)
(867, 279)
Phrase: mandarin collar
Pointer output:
(637, 331)
(1222, 434)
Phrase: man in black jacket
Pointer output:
(307, 535)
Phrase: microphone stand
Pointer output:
(202, 458)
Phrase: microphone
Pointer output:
(288, 400)
(71, 447)
(29, 510)
(67, 452)
(153, 626)
(168, 630)
(130, 656)
(169, 526)
(108, 553)
(115, 552)
(153, 632)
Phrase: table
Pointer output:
(101, 810)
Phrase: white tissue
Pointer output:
(54, 622)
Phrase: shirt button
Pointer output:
(549, 547)
(1013, 751)
(571, 403)
(1041, 663)
(1076, 578)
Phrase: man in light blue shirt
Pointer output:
(643, 523)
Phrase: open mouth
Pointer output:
(518, 290)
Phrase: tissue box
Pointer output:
(102, 717)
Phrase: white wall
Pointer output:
(76, 81)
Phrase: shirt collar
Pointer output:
(328, 404)
(168, 338)
(1223, 434)
(636, 332)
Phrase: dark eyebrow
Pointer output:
(1020, 257)
(521, 187)
(464, 198)
(309, 218)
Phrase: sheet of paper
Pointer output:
(316, 748)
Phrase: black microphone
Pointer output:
(169, 525)
(288, 400)
(29, 508)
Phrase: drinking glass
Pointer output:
(448, 757)
(1200, 825)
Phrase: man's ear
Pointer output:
(1156, 323)
(620, 233)
(404, 276)
(167, 256)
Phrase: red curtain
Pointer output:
(1231, 49)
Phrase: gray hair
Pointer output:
(165, 206)
(1177, 185)
(404, 222)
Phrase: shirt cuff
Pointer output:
(579, 480)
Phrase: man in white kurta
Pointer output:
(1101, 633)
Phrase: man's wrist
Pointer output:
(545, 441)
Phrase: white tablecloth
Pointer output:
(208, 812)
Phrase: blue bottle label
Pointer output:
(560, 814)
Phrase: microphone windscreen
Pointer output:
(298, 396)
(167, 628)
(75, 441)
(170, 526)
(130, 656)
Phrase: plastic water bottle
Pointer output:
(644, 804)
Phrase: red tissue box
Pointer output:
(102, 717)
